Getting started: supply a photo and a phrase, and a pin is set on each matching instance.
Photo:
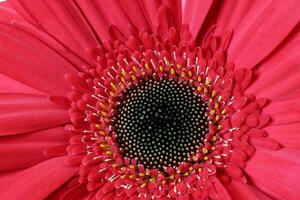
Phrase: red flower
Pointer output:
(168, 100)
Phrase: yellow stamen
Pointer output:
(115, 165)
(123, 168)
(214, 138)
(124, 72)
(135, 69)
(132, 177)
(152, 179)
(131, 166)
(172, 71)
(113, 86)
(194, 158)
(223, 112)
(213, 93)
(161, 68)
(104, 106)
(105, 146)
(133, 77)
(199, 88)
(112, 94)
(102, 133)
(208, 81)
(123, 176)
(105, 114)
(142, 174)
(122, 86)
(123, 79)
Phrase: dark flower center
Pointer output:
(160, 123)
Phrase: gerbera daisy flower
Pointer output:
(149, 100)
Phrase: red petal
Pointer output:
(66, 192)
(283, 112)
(9, 85)
(195, 13)
(276, 172)
(221, 191)
(31, 62)
(286, 134)
(265, 143)
(263, 32)
(62, 20)
(27, 150)
(243, 191)
(278, 81)
(37, 182)
(21, 113)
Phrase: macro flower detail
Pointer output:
(149, 100)
(163, 117)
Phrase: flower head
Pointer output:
(164, 103)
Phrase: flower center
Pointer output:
(160, 123)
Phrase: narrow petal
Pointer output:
(27, 150)
(9, 85)
(62, 20)
(139, 14)
(31, 62)
(175, 7)
(66, 192)
(102, 14)
(36, 182)
(263, 32)
(195, 13)
(221, 191)
(98, 20)
(21, 113)
(284, 112)
(4, 4)
(238, 190)
(232, 13)
(135, 13)
(12, 18)
(288, 49)
(286, 134)
(276, 173)
(279, 81)
(7, 13)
